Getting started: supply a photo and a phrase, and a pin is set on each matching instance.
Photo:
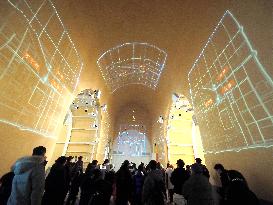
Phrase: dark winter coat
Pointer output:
(138, 181)
(102, 193)
(197, 190)
(55, 186)
(178, 178)
(153, 192)
(238, 193)
(87, 189)
(124, 186)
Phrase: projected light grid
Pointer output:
(231, 92)
(131, 140)
(39, 66)
(132, 63)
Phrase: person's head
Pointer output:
(188, 167)
(169, 165)
(196, 169)
(61, 160)
(198, 160)
(180, 163)
(140, 168)
(153, 165)
(39, 151)
(68, 159)
(106, 161)
(94, 162)
(219, 168)
(80, 158)
(125, 164)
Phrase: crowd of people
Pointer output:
(68, 183)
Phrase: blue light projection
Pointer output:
(131, 141)
(39, 66)
(231, 91)
(132, 63)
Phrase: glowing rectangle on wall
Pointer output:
(39, 66)
(231, 91)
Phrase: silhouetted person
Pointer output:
(88, 182)
(238, 191)
(28, 182)
(105, 167)
(138, 181)
(55, 183)
(154, 187)
(111, 178)
(159, 167)
(91, 167)
(5, 187)
(132, 168)
(68, 172)
(74, 188)
(197, 189)
(144, 169)
(87, 187)
(124, 184)
(188, 169)
(78, 167)
(179, 176)
(205, 170)
(102, 190)
(169, 184)
(223, 174)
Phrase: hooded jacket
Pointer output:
(197, 190)
(28, 182)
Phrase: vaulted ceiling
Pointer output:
(179, 27)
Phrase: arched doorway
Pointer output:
(131, 144)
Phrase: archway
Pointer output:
(132, 139)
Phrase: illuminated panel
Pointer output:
(131, 141)
(132, 63)
(39, 66)
(179, 132)
(231, 91)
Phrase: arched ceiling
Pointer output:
(181, 28)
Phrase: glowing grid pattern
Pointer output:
(231, 91)
(39, 66)
(132, 63)
(131, 140)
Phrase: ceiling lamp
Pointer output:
(132, 63)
